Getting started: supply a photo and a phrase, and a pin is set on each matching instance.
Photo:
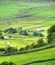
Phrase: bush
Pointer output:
(37, 34)
(23, 32)
(7, 63)
(10, 50)
(21, 49)
(27, 47)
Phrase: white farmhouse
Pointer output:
(6, 37)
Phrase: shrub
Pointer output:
(10, 50)
(21, 49)
(7, 63)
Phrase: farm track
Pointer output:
(29, 51)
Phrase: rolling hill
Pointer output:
(31, 16)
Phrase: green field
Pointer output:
(31, 16)
(45, 63)
(30, 57)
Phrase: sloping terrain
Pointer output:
(31, 15)
(12, 10)
(30, 57)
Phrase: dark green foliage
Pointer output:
(10, 30)
(51, 34)
(37, 34)
(1, 35)
(21, 49)
(10, 50)
(40, 42)
(27, 47)
(53, 38)
(23, 32)
(7, 63)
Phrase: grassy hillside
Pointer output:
(13, 9)
(35, 56)
(30, 15)
(45, 63)
(31, 0)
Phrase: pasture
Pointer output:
(31, 17)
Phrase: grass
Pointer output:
(45, 63)
(29, 16)
(30, 57)
(15, 9)
(22, 41)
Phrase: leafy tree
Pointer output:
(23, 32)
(51, 33)
(40, 42)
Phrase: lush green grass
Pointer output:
(32, 16)
(30, 57)
(15, 9)
(45, 63)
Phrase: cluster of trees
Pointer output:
(11, 50)
(8, 50)
(33, 33)
(10, 31)
(7, 63)
(20, 31)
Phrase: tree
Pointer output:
(23, 32)
(51, 34)
(40, 42)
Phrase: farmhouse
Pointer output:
(6, 37)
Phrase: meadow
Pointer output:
(29, 16)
